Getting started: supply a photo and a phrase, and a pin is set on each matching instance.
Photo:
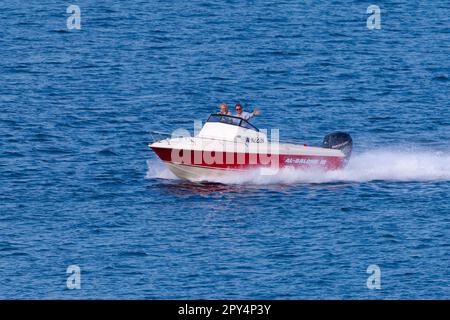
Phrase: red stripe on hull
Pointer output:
(233, 160)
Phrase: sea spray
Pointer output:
(373, 165)
(157, 170)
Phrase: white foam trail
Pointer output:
(384, 165)
(157, 170)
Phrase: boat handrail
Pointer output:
(161, 136)
(158, 136)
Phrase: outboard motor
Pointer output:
(339, 140)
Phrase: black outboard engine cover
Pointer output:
(339, 140)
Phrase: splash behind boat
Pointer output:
(229, 144)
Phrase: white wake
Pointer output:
(157, 170)
(383, 165)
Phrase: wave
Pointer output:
(374, 165)
(157, 170)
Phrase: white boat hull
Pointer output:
(199, 173)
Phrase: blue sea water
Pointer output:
(79, 185)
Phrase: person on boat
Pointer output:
(243, 114)
(224, 109)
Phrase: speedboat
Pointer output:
(231, 145)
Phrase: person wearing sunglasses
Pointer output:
(243, 114)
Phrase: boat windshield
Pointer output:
(236, 121)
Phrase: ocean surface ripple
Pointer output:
(79, 186)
